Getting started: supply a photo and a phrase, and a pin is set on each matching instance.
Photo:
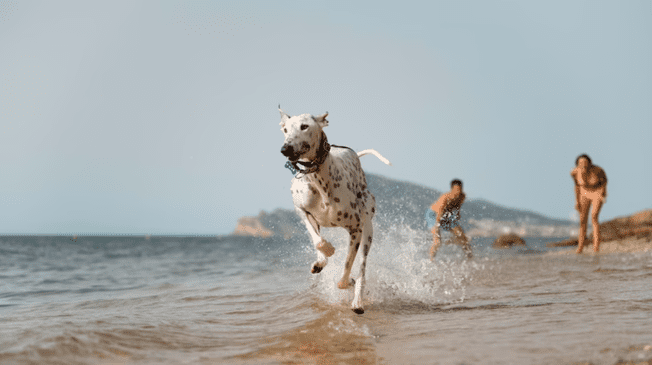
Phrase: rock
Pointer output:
(508, 240)
(564, 243)
(638, 225)
(279, 223)
(251, 226)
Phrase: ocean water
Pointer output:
(240, 300)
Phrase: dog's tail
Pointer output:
(375, 153)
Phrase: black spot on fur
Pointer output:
(337, 200)
(339, 212)
(359, 195)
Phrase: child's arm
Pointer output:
(438, 207)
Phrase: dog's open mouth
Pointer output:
(293, 159)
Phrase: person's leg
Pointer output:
(436, 241)
(462, 240)
(597, 205)
(585, 204)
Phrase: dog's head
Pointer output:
(304, 135)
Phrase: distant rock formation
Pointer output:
(638, 225)
(251, 226)
(280, 223)
(508, 240)
(404, 203)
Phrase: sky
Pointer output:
(160, 117)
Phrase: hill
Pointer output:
(405, 203)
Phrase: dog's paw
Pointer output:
(326, 248)
(317, 267)
(345, 285)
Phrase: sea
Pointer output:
(246, 300)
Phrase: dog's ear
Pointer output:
(284, 116)
(321, 120)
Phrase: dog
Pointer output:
(330, 190)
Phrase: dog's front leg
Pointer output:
(323, 247)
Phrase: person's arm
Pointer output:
(577, 189)
(438, 208)
(603, 183)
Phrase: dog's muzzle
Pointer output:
(293, 154)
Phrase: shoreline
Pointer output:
(626, 245)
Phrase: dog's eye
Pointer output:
(285, 130)
(304, 127)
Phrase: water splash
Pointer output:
(399, 270)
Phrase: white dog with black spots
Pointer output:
(330, 190)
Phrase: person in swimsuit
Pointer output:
(447, 209)
(590, 188)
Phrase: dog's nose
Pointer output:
(287, 150)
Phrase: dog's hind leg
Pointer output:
(367, 236)
(354, 244)
(323, 247)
